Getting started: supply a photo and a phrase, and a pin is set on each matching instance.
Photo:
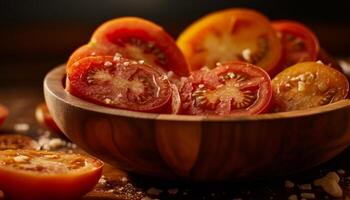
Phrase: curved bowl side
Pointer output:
(197, 148)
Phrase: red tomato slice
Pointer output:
(44, 117)
(3, 114)
(299, 43)
(306, 85)
(30, 174)
(231, 35)
(139, 39)
(16, 141)
(120, 83)
(234, 88)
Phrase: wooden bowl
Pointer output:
(201, 148)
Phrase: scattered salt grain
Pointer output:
(293, 197)
(108, 64)
(246, 54)
(305, 187)
(141, 62)
(306, 195)
(173, 191)
(21, 158)
(288, 184)
(21, 127)
(154, 191)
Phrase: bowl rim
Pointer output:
(53, 86)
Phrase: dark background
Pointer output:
(36, 35)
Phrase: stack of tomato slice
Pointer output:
(220, 65)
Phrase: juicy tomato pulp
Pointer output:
(12, 141)
(44, 117)
(299, 43)
(120, 83)
(139, 39)
(30, 174)
(230, 89)
(231, 35)
(3, 114)
(306, 85)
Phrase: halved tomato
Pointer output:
(16, 141)
(233, 88)
(308, 84)
(231, 35)
(30, 174)
(299, 43)
(120, 83)
(141, 40)
(44, 117)
(3, 114)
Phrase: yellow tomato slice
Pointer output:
(231, 35)
(47, 175)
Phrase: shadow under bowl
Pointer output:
(200, 148)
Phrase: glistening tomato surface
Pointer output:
(120, 83)
(306, 85)
(39, 175)
(139, 39)
(299, 43)
(234, 88)
(231, 35)
(3, 114)
(44, 117)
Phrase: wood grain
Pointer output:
(201, 148)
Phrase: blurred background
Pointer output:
(37, 35)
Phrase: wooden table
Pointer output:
(119, 185)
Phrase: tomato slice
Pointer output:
(30, 174)
(44, 117)
(3, 114)
(308, 84)
(16, 141)
(140, 39)
(231, 35)
(233, 88)
(299, 43)
(120, 83)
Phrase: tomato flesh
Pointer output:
(299, 43)
(231, 35)
(3, 114)
(47, 175)
(234, 88)
(15, 141)
(120, 83)
(306, 85)
(139, 39)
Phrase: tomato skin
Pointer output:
(114, 32)
(79, 86)
(287, 28)
(18, 184)
(3, 114)
(44, 117)
(244, 24)
(306, 85)
(254, 80)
